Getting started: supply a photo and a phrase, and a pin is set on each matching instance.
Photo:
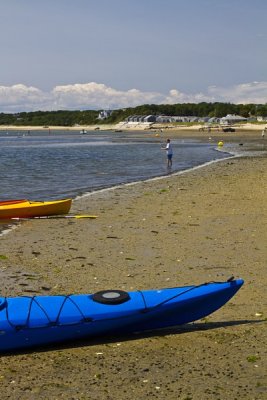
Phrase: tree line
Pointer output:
(90, 117)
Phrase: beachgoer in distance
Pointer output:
(169, 152)
(263, 133)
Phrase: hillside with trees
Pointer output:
(90, 117)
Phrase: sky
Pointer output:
(108, 54)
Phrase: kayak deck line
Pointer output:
(55, 217)
(50, 322)
(147, 309)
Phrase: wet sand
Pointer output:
(203, 225)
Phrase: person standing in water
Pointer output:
(169, 152)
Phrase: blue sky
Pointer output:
(87, 54)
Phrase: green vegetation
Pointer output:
(90, 117)
(46, 118)
(190, 109)
(253, 358)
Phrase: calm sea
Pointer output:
(42, 166)
(68, 164)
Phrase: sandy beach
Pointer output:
(202, 225)
(172, 128)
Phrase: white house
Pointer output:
(232, 119)
(104, 114)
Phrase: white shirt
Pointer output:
(169, 149)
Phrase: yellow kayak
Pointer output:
(27, 209)
(10, 202)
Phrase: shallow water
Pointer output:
(68, 164)
(41, 166)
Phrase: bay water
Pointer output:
(41, 166)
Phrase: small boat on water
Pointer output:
(29, 209)
(32, 321)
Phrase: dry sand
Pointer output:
(203, 225)
(171, 127)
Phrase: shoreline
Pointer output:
(204, 224)
(245, 134)
(172, 128)
(153, 179)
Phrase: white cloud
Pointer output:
(175, 96)
(93, 95)
(21, 98)
(254, 92)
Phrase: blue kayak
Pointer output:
(42, 320)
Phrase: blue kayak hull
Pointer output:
(42, 320)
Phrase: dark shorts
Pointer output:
(169, 156)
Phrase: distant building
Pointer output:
(141, 118)
(229, 119)
(161, 119)
(104, 114)
(150, 118)
(232, 119)
(262, 119)
(214, 120)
